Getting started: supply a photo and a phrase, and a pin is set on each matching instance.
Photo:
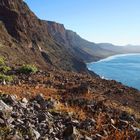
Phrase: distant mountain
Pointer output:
(120, 49)
(83, 49)
(132, 48)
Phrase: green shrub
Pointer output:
(27, 69)
(4, 69)
(6, 78)
(2, 61)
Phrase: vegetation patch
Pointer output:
(2, 61)
(6, 78)
(28, 69)
(4, 69)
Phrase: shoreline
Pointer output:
(109, 59)
(112, 57)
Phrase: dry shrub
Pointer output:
(77, 112)
(101, 120)
(121, 135)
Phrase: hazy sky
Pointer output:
(113, 21)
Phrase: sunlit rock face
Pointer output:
(31, 39)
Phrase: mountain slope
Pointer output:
(26, 39)
(81, 48)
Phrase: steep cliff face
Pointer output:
(30, 41)
(20, 22)
(58, 32)
(68, 39)
(79, 47)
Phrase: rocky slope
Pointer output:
(58, 105)
(26, 39)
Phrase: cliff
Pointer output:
(79, 47)
(26, 39)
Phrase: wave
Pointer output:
(114, 57)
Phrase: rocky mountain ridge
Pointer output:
(28, 40)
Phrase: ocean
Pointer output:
(122, 68)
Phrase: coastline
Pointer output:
(109, 59)
(112, 57)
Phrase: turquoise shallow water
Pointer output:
(122, 68)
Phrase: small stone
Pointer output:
(18, 120)
(98, 135)
(15, 114)
(37, 106)
(3, 82)
(75, 122)
(37, 134)
(2, 123)
(105, 132)
(23, 105)
(112, 121)
(124, 122)
(113, 127)
(51, 130)
(10, 120)
(5, 107)
(41, 117)
(39, 98)
(24, 100)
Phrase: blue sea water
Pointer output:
(122, 68)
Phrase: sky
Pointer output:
(111, 21)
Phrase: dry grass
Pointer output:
(101, 120)
(121, 135)
(72, 110)
(29, 91)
